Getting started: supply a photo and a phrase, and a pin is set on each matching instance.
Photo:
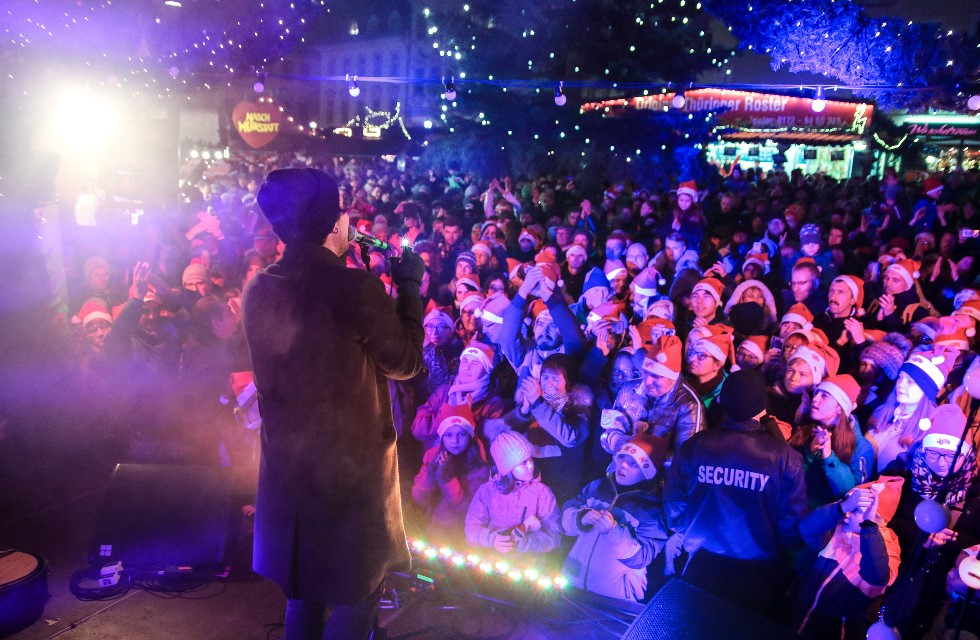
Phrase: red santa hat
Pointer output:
(690, 187)
(609, 310)
(471, 280)
(955, 331)
(493, 307)
(716, 340)
(455, 416)
(93, 309)
(481, 352)
(539, 308)
(756, 345)
(856, 285)
(515, 270)
(576, 248)
(844, 389)
(800, 314)
(818, 357)
(758, 258)
(482, 247)
(932, 185)
(471, 298)
(970, 308)
(613, 268)
(550, 270)
(711, 286)
(649, 452)
(944, 429)
(646, 328)
(889, 490)
(646, 282)
(927, 326)
(908, 270)
(528, 234)
(807, 261)
(664, 357)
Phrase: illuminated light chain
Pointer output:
(889, 147)
(390, 119)
(500, 568)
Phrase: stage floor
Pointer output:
(49, 504)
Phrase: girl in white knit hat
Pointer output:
(515, 511)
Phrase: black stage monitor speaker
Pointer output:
(156, 515)
(680, 611)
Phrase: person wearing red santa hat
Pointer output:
(554, 327)
(853, 557)
(751, 352)
(940, 467)
(900, 303)
(614, 546)
(709, 350)
(472, 386)
(661, 403)
(451, 473)
(797, 317)
(845, 299)
(707, 305)
(836, 456)
(807, 366)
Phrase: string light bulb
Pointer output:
(560, 98)
(678, 101)
(259, 86)
(352, 87)
(819, 102)
(450, 93)
(974, 102)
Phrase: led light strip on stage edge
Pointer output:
(469, 561)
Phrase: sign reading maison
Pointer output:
(751, 110)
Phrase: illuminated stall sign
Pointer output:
(257, 124)
(943, 130)
(751, 110)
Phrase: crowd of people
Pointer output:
(752, 386)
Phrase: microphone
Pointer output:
(366, 240)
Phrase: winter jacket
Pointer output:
(425, 428)
(324, 340)
(829, 479)
(907, 304)
(492, 512)
(677, 415)
(444, 495)
(736, 491)
(850, 571)
(614, 563)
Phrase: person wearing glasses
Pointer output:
(941, 467)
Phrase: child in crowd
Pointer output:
(515, 511)
(451, 472)
(619, 523)
(858, 558)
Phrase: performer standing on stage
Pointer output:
(324, 339)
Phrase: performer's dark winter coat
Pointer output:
(323, 338)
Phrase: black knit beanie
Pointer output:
(744, 395)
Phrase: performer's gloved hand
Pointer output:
(408, 270)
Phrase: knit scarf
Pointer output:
(556, 401)
(467, 392)
(928, 485)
